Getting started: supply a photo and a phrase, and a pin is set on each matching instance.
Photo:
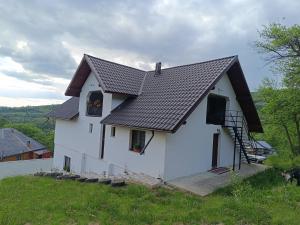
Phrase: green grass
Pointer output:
(263, 199)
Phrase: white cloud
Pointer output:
(15, 88)
(8, 64)
(17, 101)
(22, 45)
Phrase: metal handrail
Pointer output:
(235, 123)
(243, 120)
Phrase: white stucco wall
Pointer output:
(189, 150)
(150, 163)
(72, 138)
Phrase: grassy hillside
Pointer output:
(28, 114)
(263, 199)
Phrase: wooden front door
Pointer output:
(215, 151)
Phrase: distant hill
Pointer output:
(36, 114)
(28, 114)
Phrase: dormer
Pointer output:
(110, 77)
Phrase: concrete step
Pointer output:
(143, 179)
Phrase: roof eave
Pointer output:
(136, 127)
(253, 127)
(70, 89)
(121, 93)
(74, 91)
(64, 118)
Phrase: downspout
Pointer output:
(102, 141)
(143, 150)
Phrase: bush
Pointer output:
(296, 162)
(283, 162)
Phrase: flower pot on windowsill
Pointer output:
(136, 149)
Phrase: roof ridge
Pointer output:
(19, 139)
(92, 67)
(119, 64)
(207, 61)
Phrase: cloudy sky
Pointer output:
(42, 42)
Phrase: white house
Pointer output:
(165, 123)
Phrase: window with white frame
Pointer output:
(137, 140)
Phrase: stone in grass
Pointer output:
(55, 174)
(73, 177)
(59, 178)
(41, 174)
(66, 177)
(104, 181)
(91, 180)
(48, 174)
(118, 183)
(81, 179)
(38, 174)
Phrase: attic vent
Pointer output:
(158, 68)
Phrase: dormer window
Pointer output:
(94, 104)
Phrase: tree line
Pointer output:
(280, 111)
(34, 124)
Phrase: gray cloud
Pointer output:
(39, 79)
(175, 32)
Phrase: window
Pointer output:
(18, 157)
(67, 164)
(113, 131)
(91, 128)
(216, 107)
(94, 104)
(137, 140)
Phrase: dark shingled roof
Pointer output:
(13, 142)
(166, 98)
(66, 111)
(112, 77)
(164, 101)
(118, 78)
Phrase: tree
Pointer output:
(3, 122)
(281, 45)
(281, 109)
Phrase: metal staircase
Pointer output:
(237, 128)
